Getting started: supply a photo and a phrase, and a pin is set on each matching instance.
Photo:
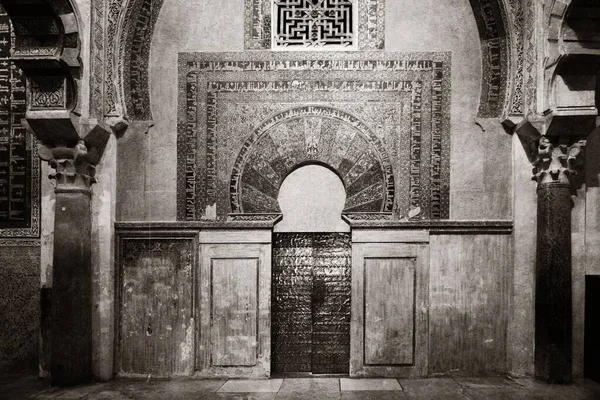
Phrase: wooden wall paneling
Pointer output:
(155, 302)
(225, 236)
(408, 266)
(233, 277)
(389, 310)
(234, 311)
(469, 302)
(389, 236)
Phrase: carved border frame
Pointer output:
(193, 194)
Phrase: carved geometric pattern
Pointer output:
(379, 120)
(314, 23)
(48, 92)
(37, 36)
(19, 305)
(19, 163)
(522, 52)
(531, 57)
(329, 19)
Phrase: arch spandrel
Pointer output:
(312, 135)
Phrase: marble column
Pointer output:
(71, 332)
(555, 170)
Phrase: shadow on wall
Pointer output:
(312, 199)
(592, 162)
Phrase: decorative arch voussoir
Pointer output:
(494, 33)
(137, 28)
(312, 135)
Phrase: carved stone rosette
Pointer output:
(75, 167)
(558, 164)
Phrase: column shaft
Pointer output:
(553, 306)
(71, 348)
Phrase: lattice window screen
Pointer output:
(314, 24)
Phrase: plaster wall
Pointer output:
(480, 159)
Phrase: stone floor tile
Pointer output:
(374, 395)
(176, 389)
(433, 389)
(309, 395)
(492, 381)
(310, 384)
(238, 396)
(17, 387)
(110, 395)
(251, 386)
(71, 393)
(581, 389)
(347, 384)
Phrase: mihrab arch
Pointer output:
(312, 134)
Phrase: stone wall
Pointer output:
(480, 161)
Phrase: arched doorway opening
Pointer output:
(311, 199)
(311, 275)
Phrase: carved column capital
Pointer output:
(558, 163)
(75, 166)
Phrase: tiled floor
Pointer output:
(447, 388)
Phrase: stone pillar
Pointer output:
(71, 333)
(555, 170)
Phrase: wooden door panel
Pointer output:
(389, 334)
(155, 302)
(234, 297)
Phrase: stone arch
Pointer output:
(312, 135)
(496, 34)
(136, 29)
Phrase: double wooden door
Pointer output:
(311, 290)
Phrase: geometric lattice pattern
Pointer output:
(293, 24)
(19, 305)
(314, 23)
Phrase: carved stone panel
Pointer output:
(379, 120)
(19, 163)
(19, 305)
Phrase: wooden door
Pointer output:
(311, 303)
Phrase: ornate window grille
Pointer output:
(311, 24)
